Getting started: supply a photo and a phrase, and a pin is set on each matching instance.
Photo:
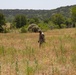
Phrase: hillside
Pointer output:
(42, 14)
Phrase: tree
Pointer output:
(31, 21)
(73, 15)
(68, 22)
(46, 20)
(2, 21)
(58, 19)
(20, 21)
(34, 20)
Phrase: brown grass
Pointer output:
(20, 53)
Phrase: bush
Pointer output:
(43, 26)
(1, 29)
(33, 28)
(63, 26)
(2, 21)
(24, 29)
(53, 26)
(6, 30)
(20, 20)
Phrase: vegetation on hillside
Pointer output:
(2, 22)
(63, 17)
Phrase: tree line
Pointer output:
(56, 20)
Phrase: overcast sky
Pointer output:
(34, 4)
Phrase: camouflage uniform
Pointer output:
(41, 38)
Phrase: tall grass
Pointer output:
(16, 68)
(21, 55)
(0, 67)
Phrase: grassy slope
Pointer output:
(21, 55)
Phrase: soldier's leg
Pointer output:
(39, 44)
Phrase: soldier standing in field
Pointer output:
(41, 38)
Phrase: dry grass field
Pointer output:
(20, 53)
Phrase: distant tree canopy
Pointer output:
(20, 21)
(58, 19)
(73, 14)
(44, 19)
(68, 22)
(2, 21)
(34, 20)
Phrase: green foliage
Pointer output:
(36, 16)
(13, 25)
(34, 20)
(58, 19)
(46, 20)
(24, 29)
(73, 14)
(41, 14)
(20, 21)
(2, 21)
(43, 26)
(6, 30)
(31, 21)
(63, 26)
(52, 25)
(68, 22)
(1, 29)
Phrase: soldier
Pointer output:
(41, 38)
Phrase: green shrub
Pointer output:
(52, 25)
(63, 26)
(6, 30)
(24, 29)
(43, 26)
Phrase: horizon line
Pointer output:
(33, 8)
